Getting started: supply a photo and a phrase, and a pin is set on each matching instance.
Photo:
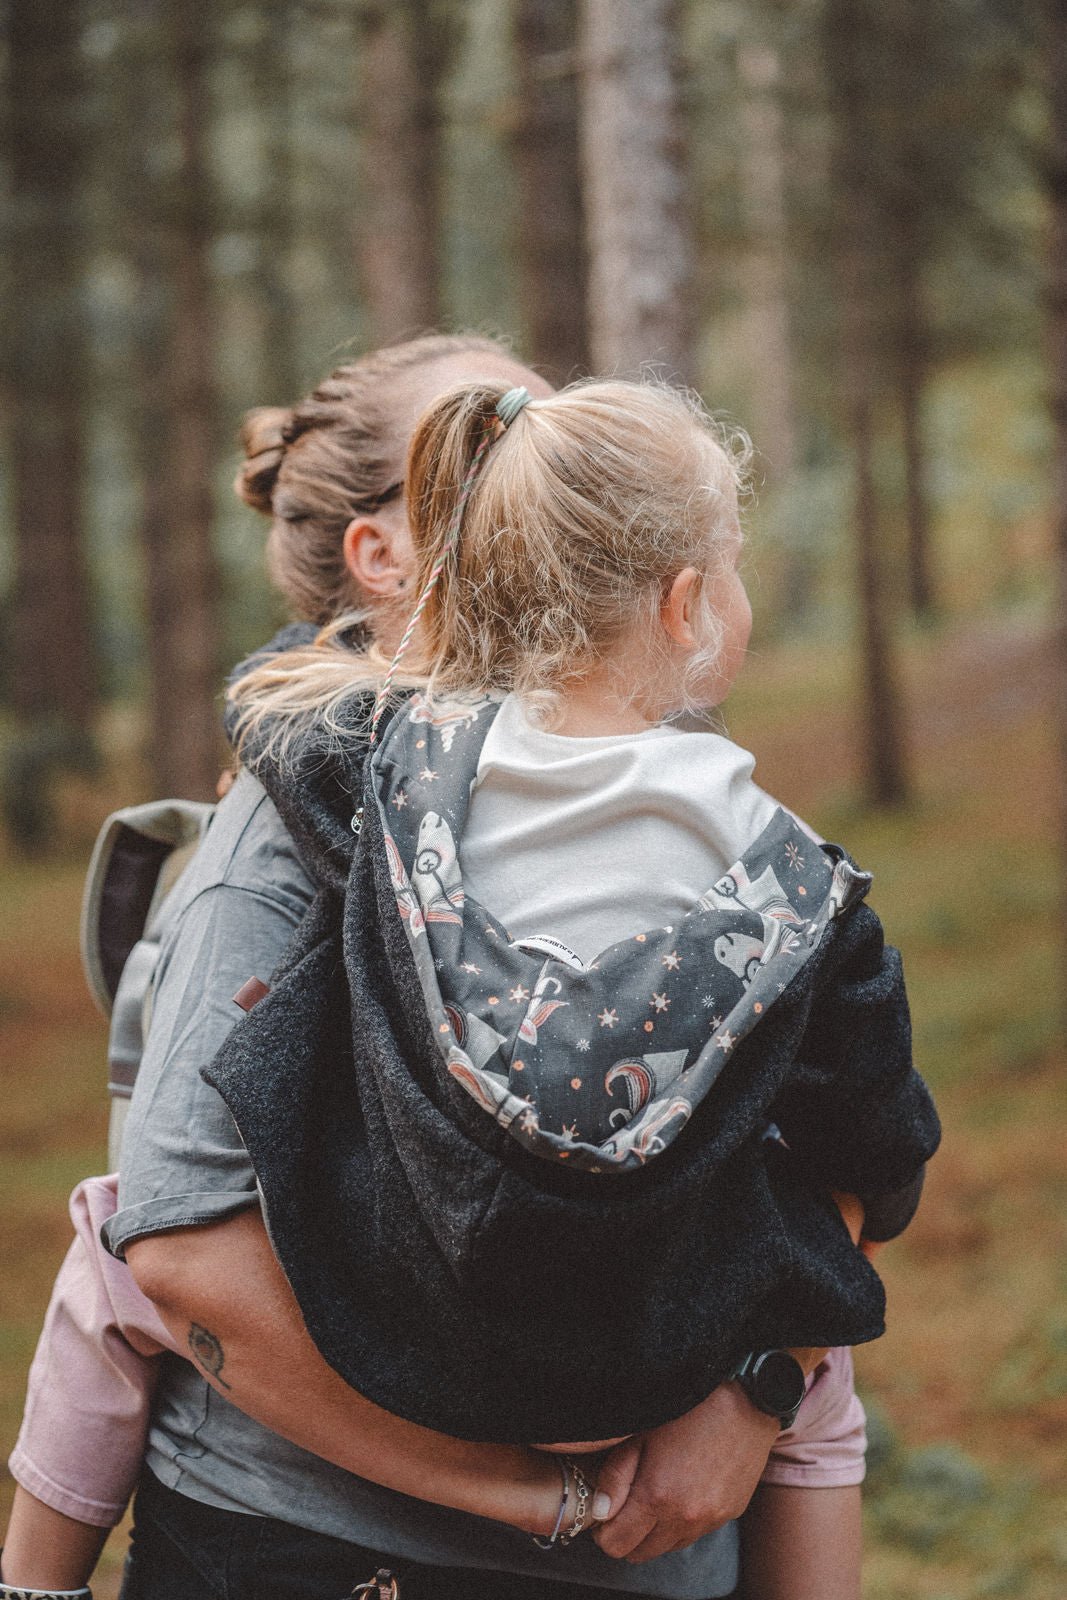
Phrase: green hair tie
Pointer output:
(509, 405)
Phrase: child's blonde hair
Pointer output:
(588, 505)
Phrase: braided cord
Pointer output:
(451, 540)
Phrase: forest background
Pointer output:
(844, 223)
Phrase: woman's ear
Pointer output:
(677, 610)
(378, 560)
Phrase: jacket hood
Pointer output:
(599, 1064)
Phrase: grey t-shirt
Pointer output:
(183, 1163)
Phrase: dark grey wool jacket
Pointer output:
(447, 1269)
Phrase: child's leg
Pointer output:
(801, 1534)
(801, 1544)
(43, 1549)
(79, 1452)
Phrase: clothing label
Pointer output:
(546, 945)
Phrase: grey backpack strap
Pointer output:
(129, 1020)
(139, 854)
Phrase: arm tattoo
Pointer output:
(207, 1351)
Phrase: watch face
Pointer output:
(779, 1380)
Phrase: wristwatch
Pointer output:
(774, 1381)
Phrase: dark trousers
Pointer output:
(181, 1549)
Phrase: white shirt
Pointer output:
(591, 840)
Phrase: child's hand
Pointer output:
(851, 1210)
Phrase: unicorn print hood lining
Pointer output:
(599, 1064)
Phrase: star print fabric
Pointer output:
(600, 1065)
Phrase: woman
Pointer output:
(188, 1217)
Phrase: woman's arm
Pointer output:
(80, 1448)
(225, 1301)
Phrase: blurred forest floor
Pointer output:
(968, 1392)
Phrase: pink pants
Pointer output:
(826, 1447)
(90, 1389)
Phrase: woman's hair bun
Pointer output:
(263, 439)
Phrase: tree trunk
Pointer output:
(637, 202)
(175, 414)
(53, 670)
(769, 344)
(913, 360)
(400, 67)
(272, 70)
(908, 50)
(857, 258)
(1056, 64)
(551, 242)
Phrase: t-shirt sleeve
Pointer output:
(183, 1162)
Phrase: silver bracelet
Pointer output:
(10, 1591)
(554, 1537)
(581, 1489)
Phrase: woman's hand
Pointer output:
(685, 1478)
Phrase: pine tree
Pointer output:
(272, 86)
(1055, 30)
(402, 56)
(770, 344)
(53, 674)
(637, 201)
(859, 260)
(175, 420)
(551, 243)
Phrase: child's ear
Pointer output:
(677, 610)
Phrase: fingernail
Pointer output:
(601, 1506)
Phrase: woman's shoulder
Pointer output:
(248, 846)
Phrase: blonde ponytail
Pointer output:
(581, 516)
